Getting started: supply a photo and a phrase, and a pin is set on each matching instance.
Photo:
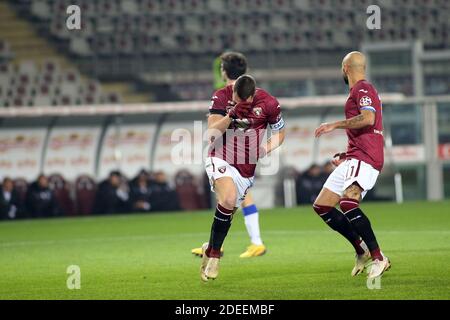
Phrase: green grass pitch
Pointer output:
(148, 256)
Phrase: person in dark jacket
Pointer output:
(327, 169)
(309, 185)
(11, 207)
(40, 199)
(112, 195)
(140, 193)
(163, 197)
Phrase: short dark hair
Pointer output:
(7, 179)
(245, 86)
(116, 173)
(234, 64)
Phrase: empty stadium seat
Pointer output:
(44, 85)
(5, 51)
(130, 7)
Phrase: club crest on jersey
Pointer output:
(222, 169)
(257, 111)
(365, 101)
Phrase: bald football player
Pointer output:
(357, 169)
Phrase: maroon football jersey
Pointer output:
(239, 145)
(365, 144)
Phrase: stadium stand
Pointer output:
(132, 40)
(183, 25)
(28, 84)
(34, 72)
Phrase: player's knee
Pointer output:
(321, 210)
(228, 201)
(348, 204)
(351, 195)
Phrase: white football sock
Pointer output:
(252, 225)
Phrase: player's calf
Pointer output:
(362, 225)
(219, 230)
(338, 222)
(226, 202)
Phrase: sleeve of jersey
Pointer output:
(218, 104)
(276, 121)
(366, 100)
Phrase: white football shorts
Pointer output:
(217, 168)
(349, 172)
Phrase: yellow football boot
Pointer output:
(254, 250)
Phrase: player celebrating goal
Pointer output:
(239, 116)
(232, 66)
(357, 169)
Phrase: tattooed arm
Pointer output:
(366, 118)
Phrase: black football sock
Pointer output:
(339, 223)
(362, 225)
(219, 230)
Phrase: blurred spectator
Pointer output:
(10, 205)
(328, 168)
(163, 197)
(85, 190)
(40, 200)
(142, 173)
(21, 187)
(188, 191)
(309, 185)
(112, 195)
(61, 190)
(140, 193)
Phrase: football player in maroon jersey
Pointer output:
(239, 116)
(357, 169)
(233, 65)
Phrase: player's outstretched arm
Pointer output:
(364, 119)
(274, 141)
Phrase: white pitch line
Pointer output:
(192, 235)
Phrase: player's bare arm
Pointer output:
(217, 124)
(364, 119)
(274, 141)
